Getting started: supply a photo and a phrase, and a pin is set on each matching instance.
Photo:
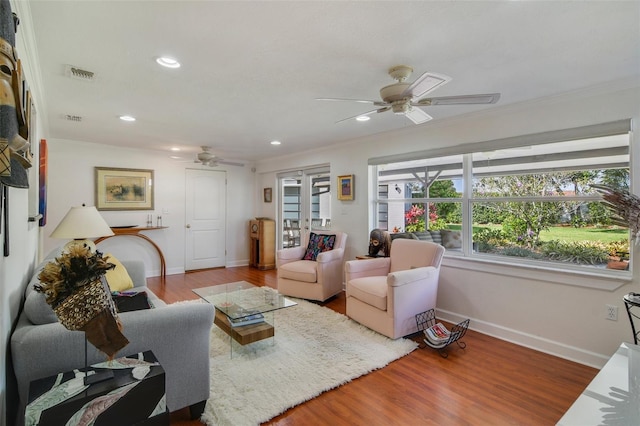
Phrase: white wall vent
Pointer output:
(79, 73)
(75, 118)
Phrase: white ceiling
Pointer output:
(251, 70)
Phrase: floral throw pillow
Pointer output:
(317, 244)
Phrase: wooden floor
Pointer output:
(491, 382)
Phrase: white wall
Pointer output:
(542, 310)
(71, 183)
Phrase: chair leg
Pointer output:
(197, 409)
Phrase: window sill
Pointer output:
(607, 281)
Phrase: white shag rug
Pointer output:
(315, 350)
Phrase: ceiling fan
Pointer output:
(406, 98)
(207, 158)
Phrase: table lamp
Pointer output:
(80, 224)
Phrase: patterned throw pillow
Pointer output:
(317, 244)
(451, 239)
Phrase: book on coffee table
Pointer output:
(250, 319)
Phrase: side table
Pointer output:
(123, 400)
(631, 301)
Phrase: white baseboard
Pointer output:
(530, 341)
(237, 263)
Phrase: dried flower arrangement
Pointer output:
(71, 270)
(625, 207)
(73, 286)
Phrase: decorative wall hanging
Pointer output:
(268, 195)
(346, 188)
(5, 218)
(14, 128)
(124, 189)
(42, 188)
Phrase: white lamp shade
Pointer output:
(81, 223)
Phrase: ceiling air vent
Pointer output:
(79, 73)
(75, 118)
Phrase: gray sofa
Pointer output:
(177, 334)
(450, 239)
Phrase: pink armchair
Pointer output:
(312, 279)
(386, 293)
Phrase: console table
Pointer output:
(135, 232)
(613, 395)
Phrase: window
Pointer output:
(521, 200)
(305, 204)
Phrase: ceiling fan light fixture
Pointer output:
(401, 107)
(168, 62)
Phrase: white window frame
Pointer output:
(546, 271)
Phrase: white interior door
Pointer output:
(206, 195)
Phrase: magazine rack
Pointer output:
(427, 319)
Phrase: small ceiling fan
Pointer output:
(207, 158)
(406, 98)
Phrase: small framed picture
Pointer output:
(268, 195)
(346, 188)
(123, 189)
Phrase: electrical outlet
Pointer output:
(612, 313)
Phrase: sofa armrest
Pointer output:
(179, 336)
(330, 256)
(409, 276)
(376, 267)
(287, 255)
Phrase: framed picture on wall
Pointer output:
(123, 189)
(346, 188)
(268, 195)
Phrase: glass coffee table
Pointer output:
(245, 311)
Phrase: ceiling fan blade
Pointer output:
(230, 163)
(386, 108)
(425, 83)
(487, 98)
(418, 116)
(362, 101)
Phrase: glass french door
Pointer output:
(305, 204)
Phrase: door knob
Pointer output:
(188, 226)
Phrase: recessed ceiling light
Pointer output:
(127, 118)
(363, 118)
(275, 142)
(175, 157)
(165, 61)
(175, 148)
